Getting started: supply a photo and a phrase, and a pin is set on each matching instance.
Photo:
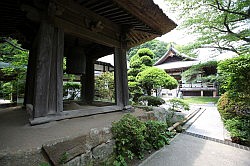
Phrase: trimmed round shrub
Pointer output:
(133, 72)
(135, 64)
(146, 60)
(152, 100)
(145, 52)
(236, 118)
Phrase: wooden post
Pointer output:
(88, 81)
(29, 85)
(121, 78)
(201, 93)
(48, 79)
(214, 93)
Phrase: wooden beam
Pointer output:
(83, 11)
(85, 33)
(104, 8)
(101, 52)
(113, 12)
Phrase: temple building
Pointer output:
(82, 31)
(174, 63)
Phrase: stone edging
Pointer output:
(219, 141)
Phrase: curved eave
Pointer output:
(150, 13)
(144, 20)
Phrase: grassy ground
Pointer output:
(201, 100)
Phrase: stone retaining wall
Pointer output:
(94, 148)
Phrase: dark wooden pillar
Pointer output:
(121, 78)
(47, 91)
(30, 76)
(88, 81)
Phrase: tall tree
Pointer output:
(220, 24)
(138, 62)
(143, 77)
(105, 85)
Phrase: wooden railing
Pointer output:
(197, 85)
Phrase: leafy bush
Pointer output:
(133, 137)
(235, 118)
(152, 100)
(157, 135)
(239, 129)
(225, 107)
(129, 136)
(235, 80)
(234, 105)
(178, 105)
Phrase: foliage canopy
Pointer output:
(159, 48)
(105, 85)
(207, 69)
(16, 59)
(142, 76)
(218, 24)
(234, 105)
(235, 75)
(153, 78)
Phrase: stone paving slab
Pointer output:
(209, 123)
(187, 150)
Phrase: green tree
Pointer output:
(234, 105)
(154, 78)
(105, 85)
(235, 78)
(12, 54)
(219, 24)
(71, 90)
(159, 48)
(139, 62)
(207, 69)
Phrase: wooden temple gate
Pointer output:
(82, 31)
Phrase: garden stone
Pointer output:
(94, 136)
(74, 162)
(177, 117)
(86, 158)
(161, 113)
(105, 134)
(103, 151)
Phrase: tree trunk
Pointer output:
(148, 92)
